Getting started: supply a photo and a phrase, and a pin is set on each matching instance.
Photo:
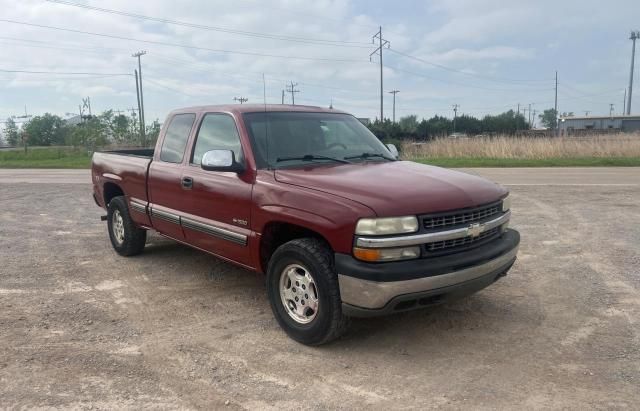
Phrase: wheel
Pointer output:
(304, 293)
(126, 238)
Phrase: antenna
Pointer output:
(264, 92)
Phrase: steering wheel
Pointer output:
(336, 145)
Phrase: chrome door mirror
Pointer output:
(220, 160)
(393, 149)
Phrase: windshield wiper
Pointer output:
(311, 157)
(369, 155)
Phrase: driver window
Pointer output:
(217, 132)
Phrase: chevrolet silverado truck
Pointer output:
(313, 200)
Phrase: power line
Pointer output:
(462, 71)
(186, 46)
(66, 73)
(308, 40)
(464, 84)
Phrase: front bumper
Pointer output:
(375, 289)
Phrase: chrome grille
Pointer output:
(461, 217)
(460, 242)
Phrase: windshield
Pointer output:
(290, 139)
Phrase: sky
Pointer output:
(485, 56)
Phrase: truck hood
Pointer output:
(396, 188)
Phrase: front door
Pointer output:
(217, 206)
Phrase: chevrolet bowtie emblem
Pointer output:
(475, 230)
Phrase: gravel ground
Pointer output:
(81, 327)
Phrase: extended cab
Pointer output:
(311, 198)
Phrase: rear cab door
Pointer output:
(165, 184)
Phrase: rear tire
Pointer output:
(304, 293)
(126, 238)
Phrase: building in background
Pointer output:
(570, 125)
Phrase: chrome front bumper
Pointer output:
(375, 295)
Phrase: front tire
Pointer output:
(126, 238)
(304, 292)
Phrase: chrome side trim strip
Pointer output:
(138, 205)
(214, 231)
(163, 215)
(373, 295)
(474, 229)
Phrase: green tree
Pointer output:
(409, 124)
(152, 132)
(90, 133)
(11, 132)
(116, 126)
(46, 130)
(549, 118)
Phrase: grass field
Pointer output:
(606, 150)
(453, 162)
(45, 157)
(503, 151)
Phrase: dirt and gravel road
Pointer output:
(81, 327)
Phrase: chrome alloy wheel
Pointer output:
(117, 225)
(298, 293)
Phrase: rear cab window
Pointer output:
(176, 137)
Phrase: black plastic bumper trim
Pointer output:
(426, 267)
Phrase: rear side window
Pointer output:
(175, 139)
(217, 132)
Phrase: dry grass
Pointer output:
(504, 147)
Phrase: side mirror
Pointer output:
(394, 150)
(221, 160)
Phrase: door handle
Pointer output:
(187, 183)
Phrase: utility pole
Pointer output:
(524, 114)
(86, 103)
(533, 119)
(624, 103)
(142, 124)
(586, 113)
(394, 92)
(292, 89)
(139, 111)
(634, 35)
(610, 109)
(381, 43)
(530, 116)
(25, 136)
(555, 107)
(455, 115)
(282, 97)
(518, 119)
(240, 99)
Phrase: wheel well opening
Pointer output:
(111, 190)
(277, 233)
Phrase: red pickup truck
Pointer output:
(311, 198)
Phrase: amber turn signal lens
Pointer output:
(366, 254)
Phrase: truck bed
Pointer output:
(137, 152)
(127, 169)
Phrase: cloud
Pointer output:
(490, 38)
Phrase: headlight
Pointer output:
(506, 203)
(387, 225)
(386, 254)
